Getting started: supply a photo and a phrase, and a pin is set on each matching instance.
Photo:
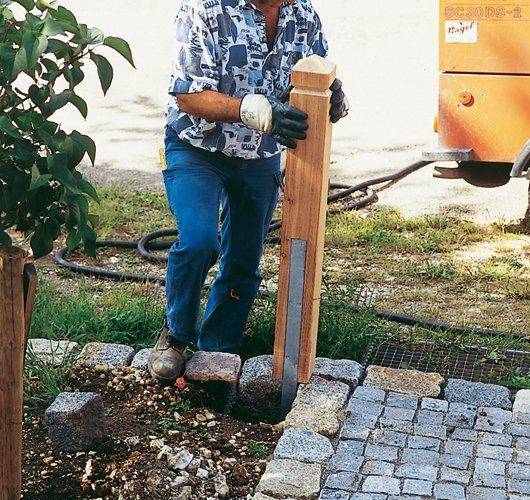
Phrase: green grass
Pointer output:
(132, 213)
(43, 382)
(343, 332)
(127, 314)
(509, 274)
(386, 230)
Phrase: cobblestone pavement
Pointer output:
(395, 445)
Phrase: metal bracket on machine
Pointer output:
(294, 323)
(437, 153)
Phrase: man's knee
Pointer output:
(203, 246)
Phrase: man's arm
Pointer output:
(210, 105)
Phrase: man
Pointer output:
(226, 125)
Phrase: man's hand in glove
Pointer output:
(339, 102)
(268, 114)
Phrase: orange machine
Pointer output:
(484, 96)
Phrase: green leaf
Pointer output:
(89, 145)
(88, 188)
(42, 240)
(38, 180)
(105, 71)
(80, 104)
(52, 28)
(27, 4)
(7, 127)
(89, 239)
(21, 63)
(95, 36)
(74, 239)
(58, 101)
(120, 46)
(47, 4)
(58, 167)
(5, 239)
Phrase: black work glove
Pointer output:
(288, 123)
(339, 102)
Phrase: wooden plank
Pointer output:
(304, 207)
(30, 291)
(12, 338)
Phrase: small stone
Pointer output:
(141, 358)
(416, 456)
(492, 419)
(412, 382)
(519, 430)
(448, 491)
(517, 486)
(308, 417)
(303, 445)
(496, 452)
(435, 431)
(455, 476)
(348, 457)
(377, 468)
(477, 493)
(327, 494)
(108, 355)
(434, 404)
(341, 370)
(487, 466)
(202, 473)
(383, 453)
(372, 394)
(317, 406)
(75, 421)
(398, 414)
(522, 401)
(461, 415)
(324, 394)
(132, 441)
(381, 484)
(405, 401)
(428, 417)
(358, 427)
(396, 425)
(362, 407)
(184, 493)
(180, 459)
(464, 435)
(347, 481)
(477, 394)
(53, 352)
(455, 461)
(259, 394)
(417, 471)
(489, 480)
(389, 437)
(519, 471)
(458, 447)
(424, 443)
(221, 486)
(213, 367)
(417, 487)
(290, 478)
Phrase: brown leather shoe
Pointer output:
(167, 362)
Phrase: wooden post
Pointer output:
(12, 336)
(304, 212)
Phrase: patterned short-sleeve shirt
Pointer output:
(222, 45)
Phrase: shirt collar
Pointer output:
(248, 3)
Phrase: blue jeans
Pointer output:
(197, 184)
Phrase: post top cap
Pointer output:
(313, 72)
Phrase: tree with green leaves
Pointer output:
(44, 52)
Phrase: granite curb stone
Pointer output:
(303, 445)
(108, 356)
(75, 421)
(477, 394)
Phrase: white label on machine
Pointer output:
(461, 32)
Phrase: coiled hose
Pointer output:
(147, 245)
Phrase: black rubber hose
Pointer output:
(148, 244)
